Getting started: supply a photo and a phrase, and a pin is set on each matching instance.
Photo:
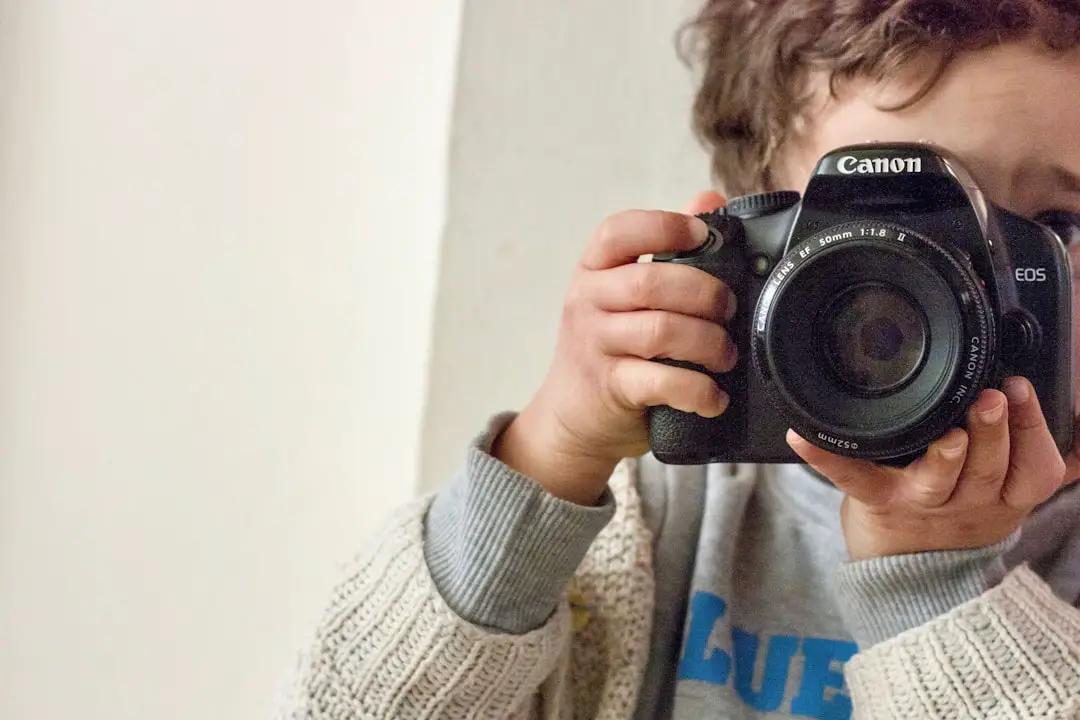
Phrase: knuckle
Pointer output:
(1027, 421)
(607, 232)
(928, 494)
(648, 388)
(656, 331)
(615, 385)
(981, 476)
(1051, 468)
(575, 303)
(644, 287)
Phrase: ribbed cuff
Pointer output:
(883, 597)
(500, 548)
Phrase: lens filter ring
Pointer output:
(872, 339)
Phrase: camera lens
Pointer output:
(874, 338)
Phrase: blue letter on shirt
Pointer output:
(819, 676)
(774, 678)
(698, 663)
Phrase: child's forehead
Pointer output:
(1012, 114)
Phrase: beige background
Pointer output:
(219, 226)
(225, 289)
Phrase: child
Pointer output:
(564, 573)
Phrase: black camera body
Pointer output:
(874, 309)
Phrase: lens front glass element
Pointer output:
(874, 337)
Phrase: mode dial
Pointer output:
(748, 206)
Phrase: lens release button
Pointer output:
(1020, 337)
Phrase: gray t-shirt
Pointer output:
(757, 607)
(762, 632)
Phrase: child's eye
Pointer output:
(1065, 223)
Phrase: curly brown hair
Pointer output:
(756, 57)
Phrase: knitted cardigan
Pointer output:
(388, 646)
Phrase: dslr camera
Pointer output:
(873, 310)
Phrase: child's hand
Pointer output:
(589, 412)
(969, 490)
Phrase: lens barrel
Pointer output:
(873, 339)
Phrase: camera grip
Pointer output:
(684, 438)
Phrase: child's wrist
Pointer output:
(882, 597)
(530, 446)
(870, 533)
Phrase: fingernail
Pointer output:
(732, 351)
(699, 231)
(731, 307)
(952, 452)
(992, 415)
(1017, 391)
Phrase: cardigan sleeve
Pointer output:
(1012, 652)
(389, 646)
(396, 642)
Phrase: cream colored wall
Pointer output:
(219, 227)
(565, 113)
